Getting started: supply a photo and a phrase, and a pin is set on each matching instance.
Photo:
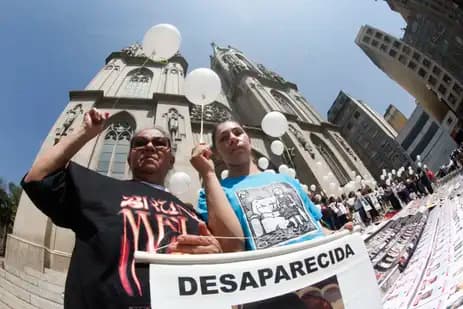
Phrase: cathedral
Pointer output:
(139, 93)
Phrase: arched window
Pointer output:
(137, 83)
(284, 102)
(335, 166)
(116, 146)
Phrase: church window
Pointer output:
(112, 67)
(335, 166)
(137, 83)
(116, 146)
(285, 104)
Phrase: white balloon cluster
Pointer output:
(202, 86)
(275, 124)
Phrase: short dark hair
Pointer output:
(216, 127)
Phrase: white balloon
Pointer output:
(179, 183)
(277, 147)
(274, 124)
(224, 174)
(306, 188)
(419, 164)
(292, 172)
(202, 86)
(283, 169)
(313, 187)
(383, 177)
(418, 157)
(425, 166)
(161, 42)
(393, 172)
(262, 163)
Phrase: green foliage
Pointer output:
(9, 201)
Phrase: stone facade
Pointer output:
(423, 136)
(395, 118)
(434, 27)
(368, 134)
(139, 93)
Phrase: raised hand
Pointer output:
(94, 122)
(203, 243)
(201, 160)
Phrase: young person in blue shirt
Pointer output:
(272, 209)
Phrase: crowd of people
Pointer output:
(455, 162)
(369, 205)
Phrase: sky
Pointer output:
(50, 47)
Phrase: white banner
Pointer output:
(334, 271)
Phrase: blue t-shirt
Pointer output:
(273, 209)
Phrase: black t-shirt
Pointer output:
(111, 219)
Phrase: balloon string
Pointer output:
(216, 237)
(201, 140)
(289, 155)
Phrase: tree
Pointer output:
(9, 201)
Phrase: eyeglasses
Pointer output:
(157, 142)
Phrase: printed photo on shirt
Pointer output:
(275, 214)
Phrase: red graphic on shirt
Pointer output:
(147, 223)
